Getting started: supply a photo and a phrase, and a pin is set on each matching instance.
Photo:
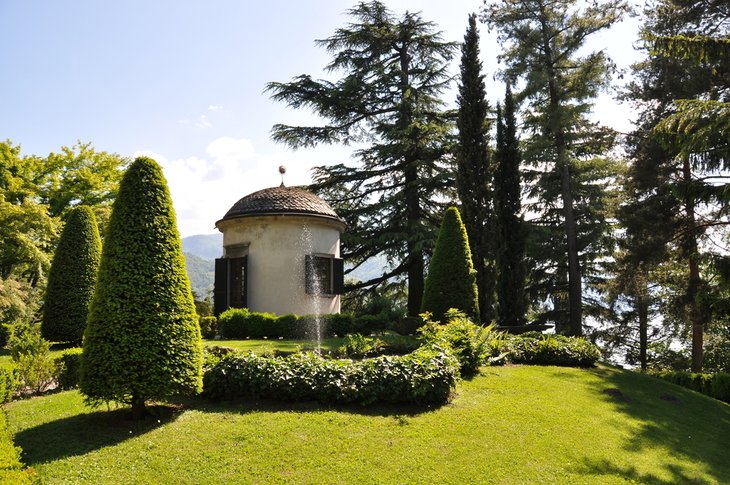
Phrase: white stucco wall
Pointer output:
(277, 246)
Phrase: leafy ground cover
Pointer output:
(515, 424)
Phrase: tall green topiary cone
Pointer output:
(451, 281)
(142, 340)
(72, 278)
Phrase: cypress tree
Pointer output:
(474, 174)
(451, 280)
(71, 278)
(511, 268)
(142, 340)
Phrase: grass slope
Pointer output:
(510, 425)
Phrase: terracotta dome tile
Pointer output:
(280, 200)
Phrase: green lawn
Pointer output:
(259, 346)
(514, 424)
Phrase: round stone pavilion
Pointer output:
(281, 254)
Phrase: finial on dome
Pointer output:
(282, 171)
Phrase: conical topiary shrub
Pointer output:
(142, 340)
(451, 281)
(72, 278)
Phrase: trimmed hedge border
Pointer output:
(425, 376)
(69, 368)
(9, 385)
(11, 469)
(714, 385)
(239, 323)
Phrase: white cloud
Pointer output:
(203, 189)
(214, 107)
(203, 122)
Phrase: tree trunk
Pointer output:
(555, 126)
(139, 410)
(642, 308)
(415, 254)
(575, 285)
(414, 250)
(693, 285)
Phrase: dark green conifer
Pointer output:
(474, 171)
(142, 340)
(511, 268)
(451, 281)
(71, 278)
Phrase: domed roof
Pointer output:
(281, 200)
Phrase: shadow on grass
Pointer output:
(251, 405)
(84, 433)
(689, 425)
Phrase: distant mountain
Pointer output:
(370, 269)
(206, 246)
(202, 249)
(201, 272)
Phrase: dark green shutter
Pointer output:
(220, 286)
(338, 276)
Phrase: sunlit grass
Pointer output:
(510, 425)
(268, 345)
(248, 345)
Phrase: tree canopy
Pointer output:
(392, 73)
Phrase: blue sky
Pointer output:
(183, 81)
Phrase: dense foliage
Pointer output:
(669, 284)
(208, 326)
(509, 223)
(8, 385)
(142, 340)
(393, 70)
(715, 385)
(425, 376)
(33, 364)
(451, 281)
(551, 350)
(543, 45)
(474, 170)
(68, 366)
(36, 194)
(72, 278)
(471, 344)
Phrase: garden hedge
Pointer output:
(72, 278)
(11, 469)
(238, 323)
(715, 385)
(142, 340)
(425, 376)
(69, 368)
